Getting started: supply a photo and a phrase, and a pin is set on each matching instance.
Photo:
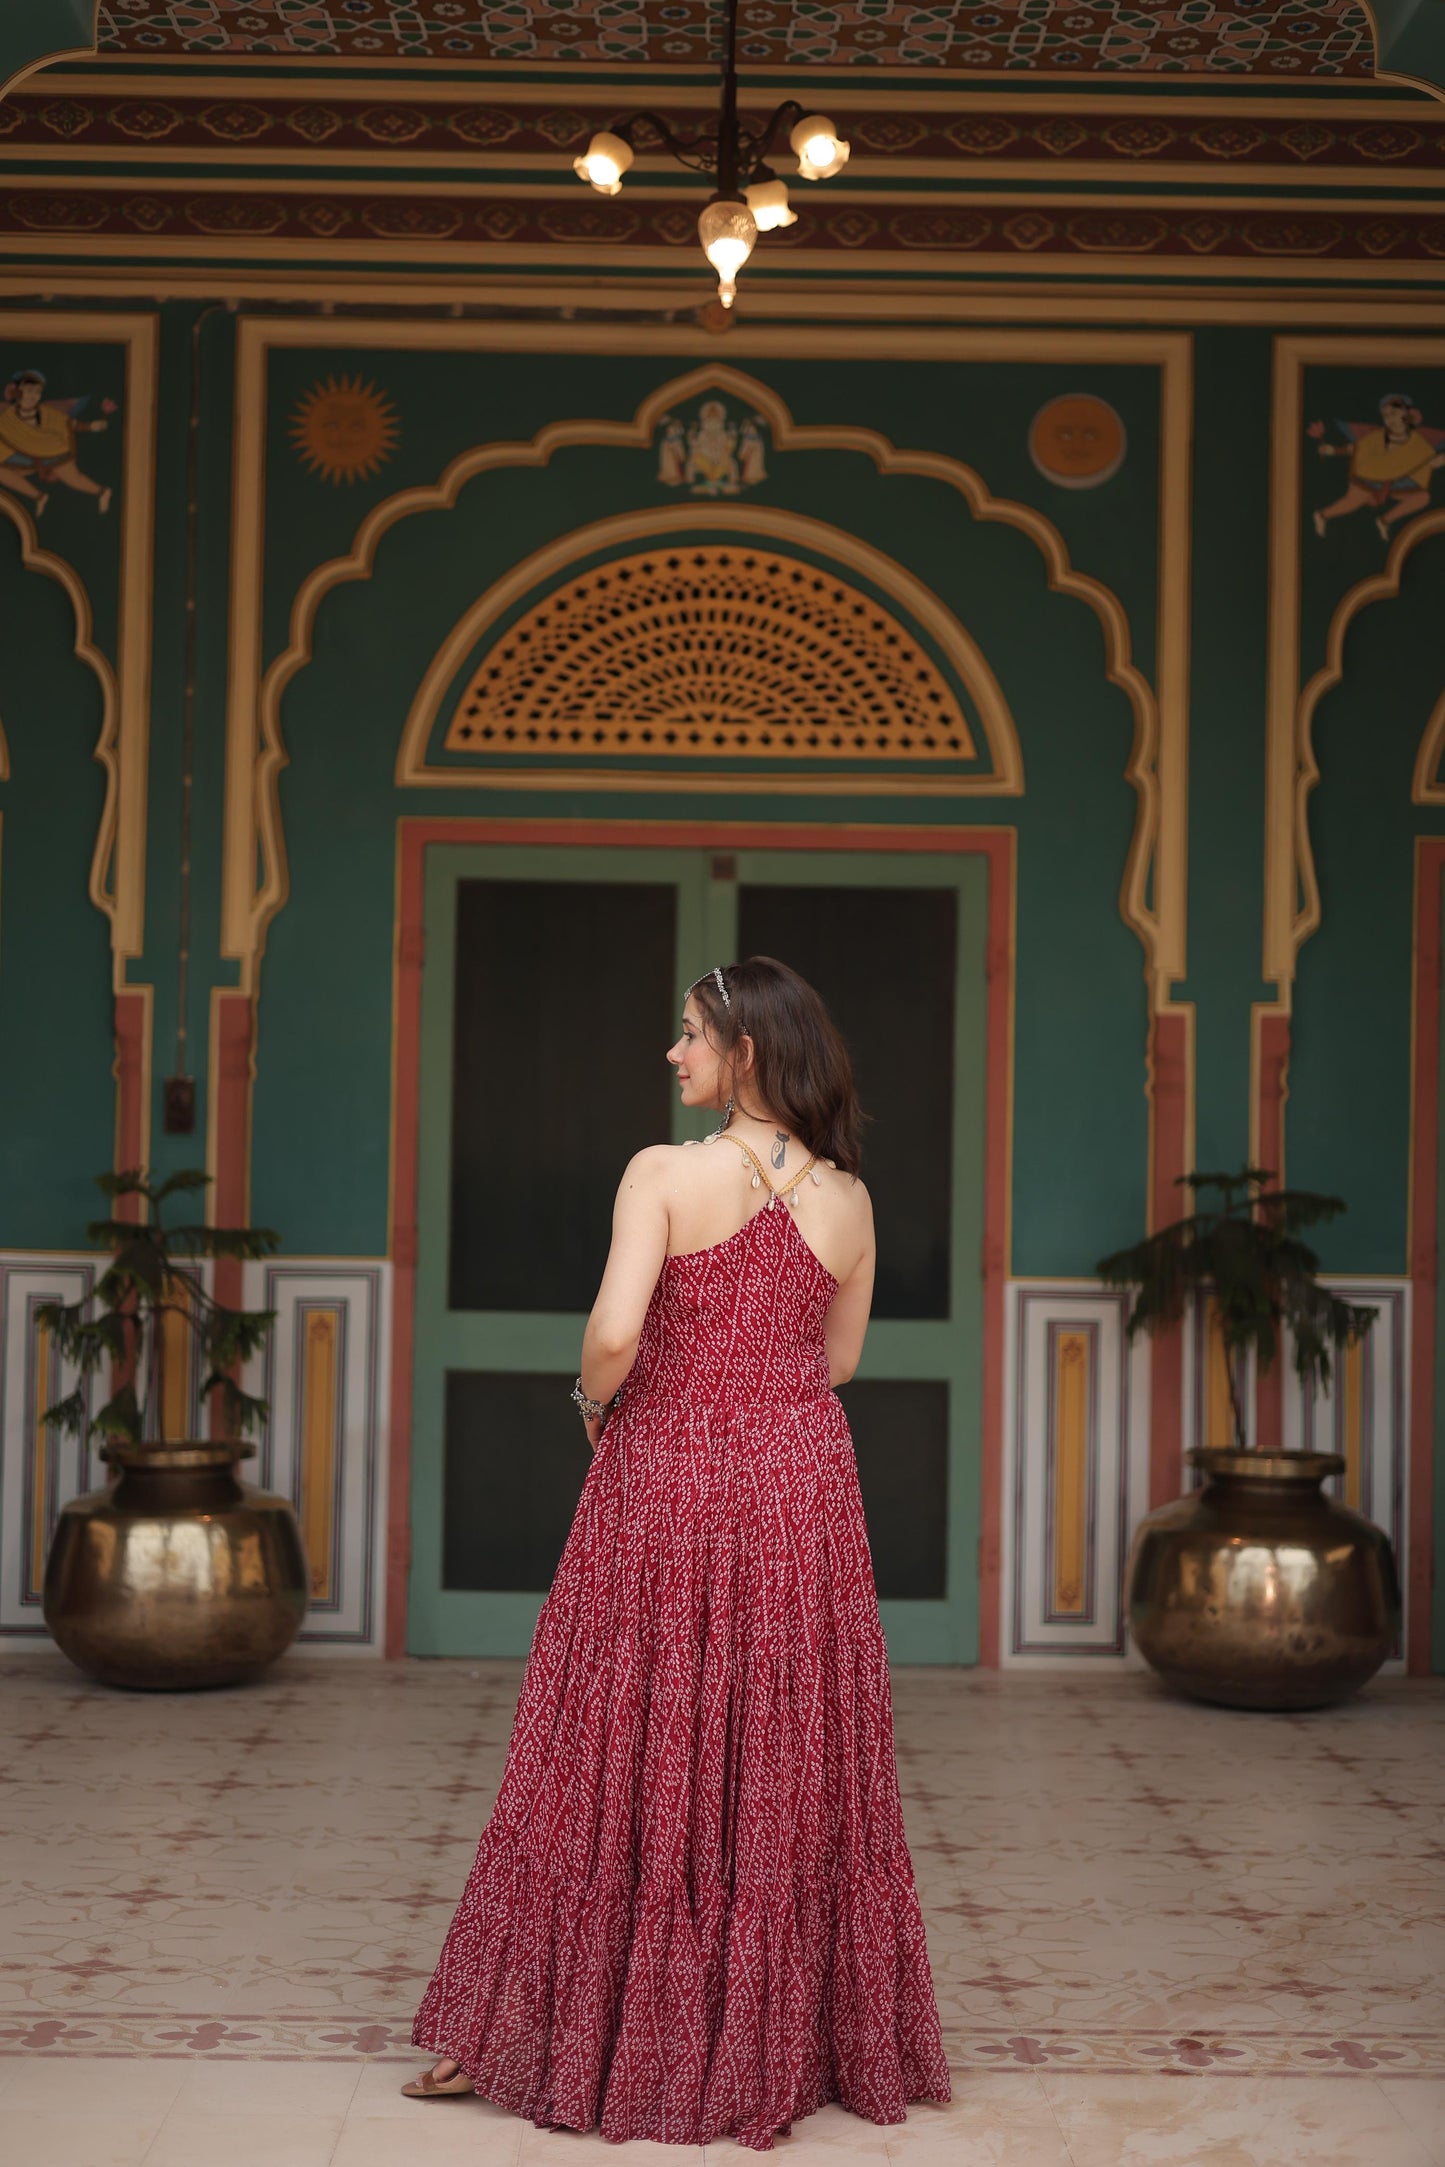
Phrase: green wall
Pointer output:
(1080, 1116)
(321, 1151)
(1080, 1138)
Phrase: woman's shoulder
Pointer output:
(663, 1163)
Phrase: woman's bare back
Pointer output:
(710, 1194)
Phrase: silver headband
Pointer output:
(722, 989)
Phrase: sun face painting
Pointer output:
(344, 429)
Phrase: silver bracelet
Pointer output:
(593, 1410)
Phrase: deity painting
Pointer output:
(712, 456)
(1389, 460)
(38, 441)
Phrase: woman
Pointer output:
(692, 1913)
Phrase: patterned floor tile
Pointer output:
(227, 1905)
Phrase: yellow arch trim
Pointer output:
(249, 907)
(35, 559)
(1006, 778)
(1381, 586)
(1428, 788)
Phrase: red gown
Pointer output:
(692, 1913)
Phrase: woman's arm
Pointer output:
(639, 1244)
(846, 1324)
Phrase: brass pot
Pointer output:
(1258, 1590)
(177, 1575)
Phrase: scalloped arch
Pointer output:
(35, 559)
(249, 905)
(1381, 586)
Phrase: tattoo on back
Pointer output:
(780, 1146)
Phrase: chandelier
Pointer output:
(749, 198)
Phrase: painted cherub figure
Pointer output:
(37, 440)
(1394, 458)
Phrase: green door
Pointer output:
(553, 983)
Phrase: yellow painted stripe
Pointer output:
(1351, 1387)
(1071, 1469)
(319, 1397)
(175, 1378)
(41, 1445)
(1218, 1414)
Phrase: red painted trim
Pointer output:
(1274, 1051)
(997, 1150)
(130, 1083)
(230, 1201)
(1424, 1258)
(1169, 1081)
(131, 1024)
(415, 837)
(406, 1120)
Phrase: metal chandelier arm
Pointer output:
(698, 153)
(760, 147)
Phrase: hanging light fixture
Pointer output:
(749, 197)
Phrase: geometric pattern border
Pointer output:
(383, 2034)
(273, 118)
(1277, 38)
(168, 216)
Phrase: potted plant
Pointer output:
(1257, 1590)
(177, 1573)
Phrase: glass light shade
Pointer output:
(727, 231)
(820, 150)
(768, 202)
(604, 162)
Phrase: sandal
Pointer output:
(426, 2085)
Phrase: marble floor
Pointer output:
(1161, 1934)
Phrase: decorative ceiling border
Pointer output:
(904, 91)
(1072, 233)
(1278, 38)
(1019, 139)
(1152, 897)
(657, 525)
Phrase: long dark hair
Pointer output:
(801, 1070)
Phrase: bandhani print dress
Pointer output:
(692, 1913)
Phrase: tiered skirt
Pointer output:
(692, 1913)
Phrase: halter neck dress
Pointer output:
(692, 1913)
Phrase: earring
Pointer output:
(727, 1117)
